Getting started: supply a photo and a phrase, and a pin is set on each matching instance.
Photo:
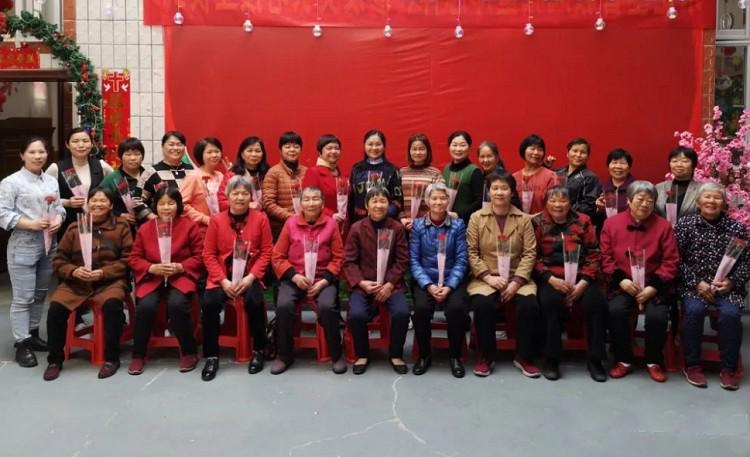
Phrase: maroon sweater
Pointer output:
(360, 254)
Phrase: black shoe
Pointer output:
(360, 368)
(256, 363)
(339, 366)
(37, 344)
(551, 370)
(422, 365)
(108, 369)
(596, 370)
(210, 369)
(457, 368)
(24, 355)
(399, 369)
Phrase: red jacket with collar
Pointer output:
(322, 177)
(187, 246)
(289, 251)
(219, 242)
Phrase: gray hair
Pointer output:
(557, 191)
(712, 187)
(435, 187)
(636, 187)
(312, 190)
(238, 181)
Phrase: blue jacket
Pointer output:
(423, 248)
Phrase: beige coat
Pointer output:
(481, 236)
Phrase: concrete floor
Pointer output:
(309, 411)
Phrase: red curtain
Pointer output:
(618, 88)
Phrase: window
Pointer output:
(50, 10)
(731, 64)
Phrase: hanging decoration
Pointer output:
(671, 11)
(115, 111)
(178, 18)
(388, 30)
(458, 32)
(247, 26)
(79, 67)
(317, 30)
(24, 57)
(742, 4)
(599, 24)
(528, 29)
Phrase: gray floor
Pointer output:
(309, 411)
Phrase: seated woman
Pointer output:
(237, 223)
(360, 269)
(489, 288)
(630, 235)
(559, 227)
(289, 264)
(432, 289)
(105, 284)
(702, 239)
(682, 190)
(534, 178)
(175, 282)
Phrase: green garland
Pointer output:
(79, 66)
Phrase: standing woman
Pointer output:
(534, 177)
(374, 170)
(463, 176)
(200, 189)
(417, 176)
(104, 285)
(131, 153)
(89, 169)
(489, 289)
(360, 270)
(325, 174)
(176, 282)
(582, 183)
(251, 164)
(488, 158)
(282, 180)
(682, 189)
(237, 223)
(619, 163)
(25, 196)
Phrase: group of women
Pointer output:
(531, 246)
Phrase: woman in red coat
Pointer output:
(239, 222)
(175, 281)
(326, 176)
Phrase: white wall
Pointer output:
(123, 42)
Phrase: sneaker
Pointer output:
(108, 369)
(52, 371)
(188, 363)
(527, 368)
(482, 368)
(729, 380)
(620, 370)
(136, 366)
(656, 372)
(694, 375)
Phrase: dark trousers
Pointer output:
(57, 326)
(552, 306)
(455, 313)
(178, 313)
(730, 331)
(213, 304)
(362, 310)
(527, 320)
(621, 327)
(326, 309)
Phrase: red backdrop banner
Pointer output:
(620, 88)
(25, 58)
(116, 111)
(432, 13)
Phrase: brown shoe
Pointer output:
(279, 366)
(52, 371)
(188, 363)
(108, 369)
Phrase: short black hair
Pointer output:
(422, 138)
(200, 148)
(531, 140)
(290, 137)
(105, 190)
(171, 192)
(130, 144)
(685, 151)
(619, 153)
(325, 140)
(377, 191)
(579, 140)
(459, 133)
(75, 130)
(503, 176)
(25, 145)
(173, 133)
